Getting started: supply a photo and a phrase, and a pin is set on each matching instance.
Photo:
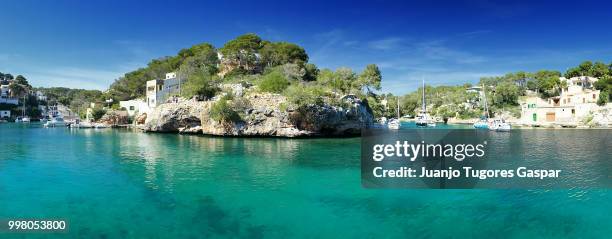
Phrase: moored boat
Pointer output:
(500, 125)
(57, 121)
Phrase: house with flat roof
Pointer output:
(134, 107)
(5, 96)
(160, 91)
(576, 101)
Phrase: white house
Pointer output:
(41, 96)
(5, 96)
(134, 107)
(5, 114)
(575, 102)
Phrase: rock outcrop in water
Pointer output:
(264, 116)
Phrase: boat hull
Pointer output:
(481, 125)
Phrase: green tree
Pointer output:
(243, 50)
(547, 82)
(604, 97)
(22, 81)
(201, 58)
(506, 94)
(200, 85)
(370, 78)
(585, 68)
(97, 113)
(18, 90)
(599, 70)
(345, 80)
(8, 76)
(604, 85)
(279, 53)
(311, 72)
(326, 78)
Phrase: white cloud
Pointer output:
(73, 77)
(386, 44)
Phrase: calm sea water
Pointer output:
(122, 184)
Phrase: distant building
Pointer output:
(159, 91)
(40, 96)
(575, 102)
(5, 114)
(5, 94)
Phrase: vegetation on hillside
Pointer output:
(20, 88)
(503, 92)
(76, 99)
(274, 67)
(283, 68)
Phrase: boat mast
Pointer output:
(486, 108)
(23, 111)
(424, 107)
(398, 113)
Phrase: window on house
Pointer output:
(594, 96)
(132, 107)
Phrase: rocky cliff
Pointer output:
(265, 115)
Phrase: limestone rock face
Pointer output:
(140, 119)
(114, 117)
(182, 117)
(265, 115)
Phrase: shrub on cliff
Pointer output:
(222, 111)
(273, 82)
(302, 95)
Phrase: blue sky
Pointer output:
(88, 44)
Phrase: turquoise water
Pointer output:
(122, 184)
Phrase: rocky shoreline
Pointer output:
(266, 116)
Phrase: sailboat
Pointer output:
(496, 124)
(395, 122)
(483, 123)
(424, 119)
(23, 118)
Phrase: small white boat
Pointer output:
(500, 125)
(55, 122)
(25, 119)
(101, 126)
(82, 125)
(394, 124)
(383, 120)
